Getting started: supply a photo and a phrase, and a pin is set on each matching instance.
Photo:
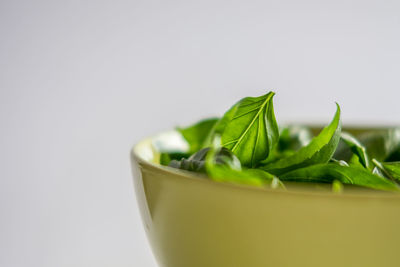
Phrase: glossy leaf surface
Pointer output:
(319, 150)
(249, 129)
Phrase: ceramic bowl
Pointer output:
(191, 221)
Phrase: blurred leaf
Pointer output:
(339, 162)
(166, 158)
(327, 173)
(381, 144)
(196, 134)
(196, 162)
(393, 168)
(294, 137)
(390, 169)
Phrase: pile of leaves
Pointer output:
(246, 146)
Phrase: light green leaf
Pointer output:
(249, 129)
(319, 150)
(255, 177)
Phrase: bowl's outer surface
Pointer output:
(194, 222)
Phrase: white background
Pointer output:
(82, 81)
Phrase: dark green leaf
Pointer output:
(319, 150)
(249, 129)
(166, 158)
(196, 134)
(327, 173)
(395, 156)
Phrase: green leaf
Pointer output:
(339, 162)
(197, 161)
(227, 172)
(390, 169)
(357, 148)
(249, 129)
(166, 158)
(255, 177)
(393, 168)
(319, 150)
(327, 173)
(382, 144)
(196, 134)
(378, 172)
(294, 137)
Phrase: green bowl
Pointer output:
(195, 222)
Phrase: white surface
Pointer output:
(81, 81)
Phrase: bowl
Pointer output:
(191, 221)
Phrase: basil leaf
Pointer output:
(357, 148)
(255, 177)
(227, 172)
(327, 173)
(319, 150)
(355, 161)
(391, 169)
(253, 126)
(196, 134)
(378, 172)
(380, 145)
(294, 137)
(166, 158)
(249, 129)
(339, 162)
(197, 161)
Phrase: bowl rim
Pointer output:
(300, 189)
